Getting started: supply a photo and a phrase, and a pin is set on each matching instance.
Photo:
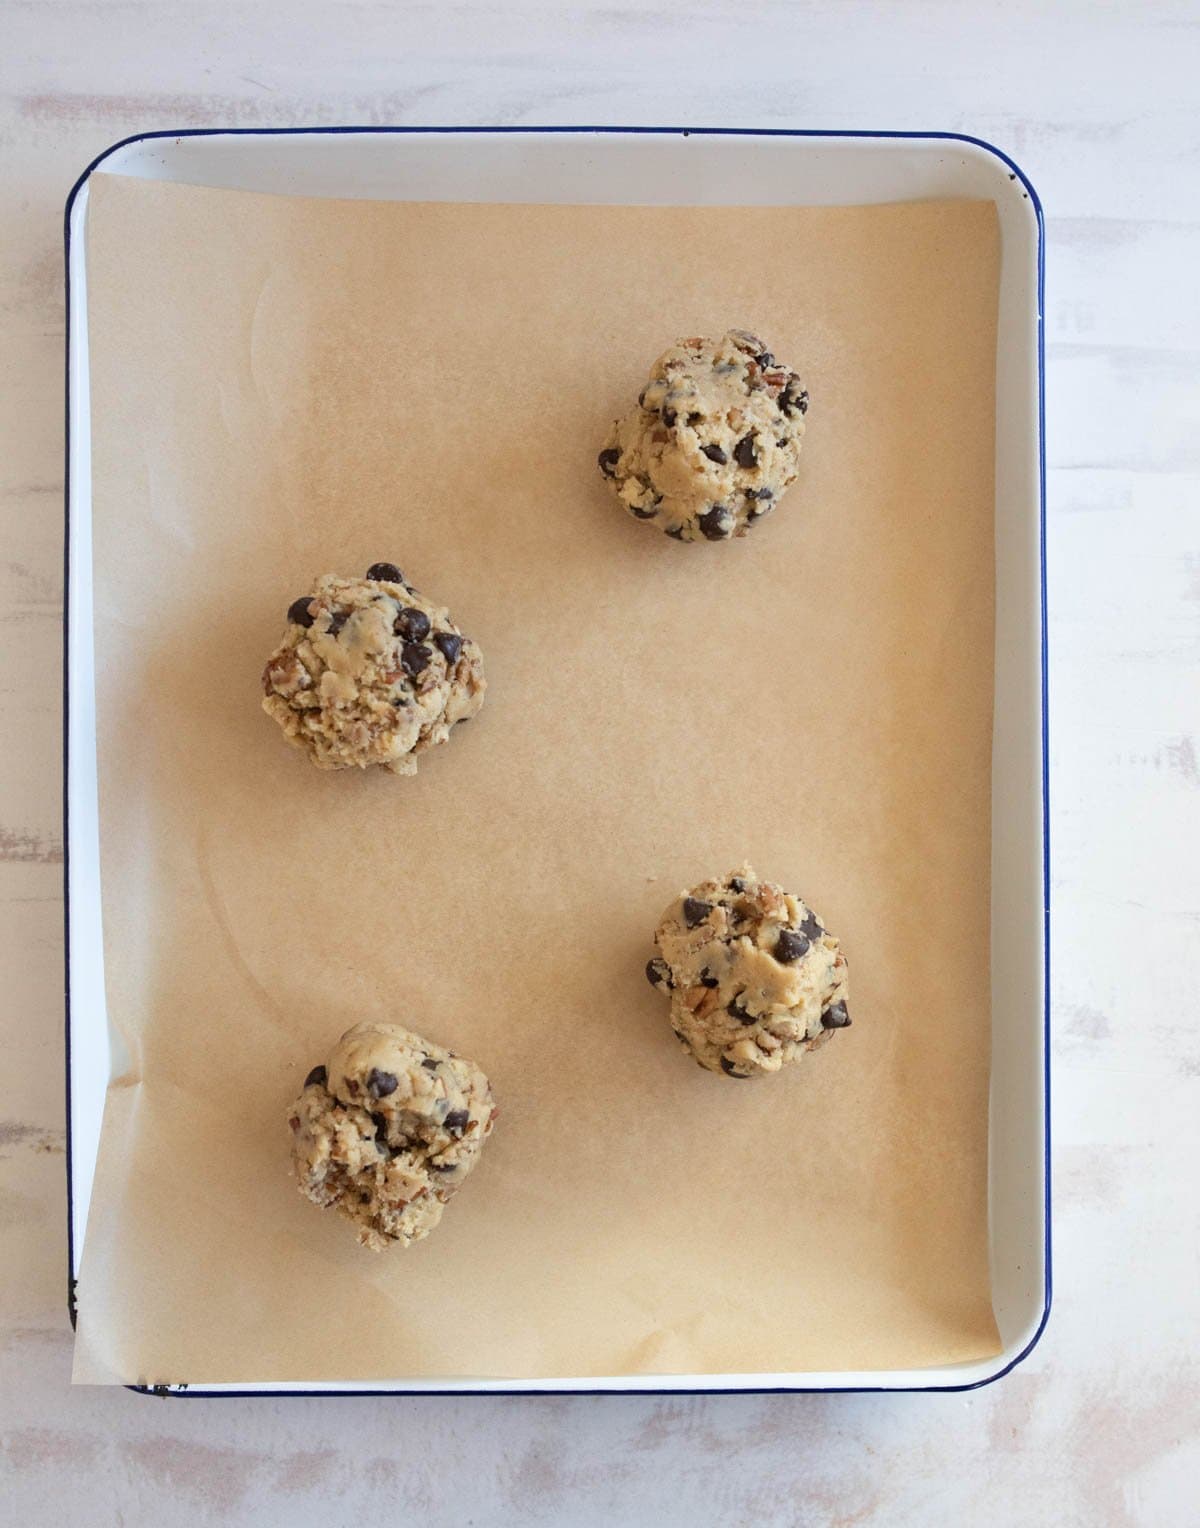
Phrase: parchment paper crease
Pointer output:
(283, 387)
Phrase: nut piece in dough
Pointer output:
(387, 1130)
(754, 977)
(713, 442)
(371, 672)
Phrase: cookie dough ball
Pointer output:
(387, 1130)
(713, 442)
(371, 672)
(754, 977)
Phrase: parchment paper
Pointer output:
(283, 387)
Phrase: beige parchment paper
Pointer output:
(283, 387)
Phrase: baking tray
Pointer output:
(649, 166)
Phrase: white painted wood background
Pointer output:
(1098, 103)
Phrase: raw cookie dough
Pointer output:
(754, 978)
(714, 439)
(371, 672)
(387, 1130)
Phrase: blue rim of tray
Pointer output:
(1017, 173)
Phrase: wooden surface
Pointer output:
(1101, 1423)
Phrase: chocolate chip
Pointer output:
(811, 926)
(695, 911)
(728, 1067)
(835, 1017)
(676, 533)
(742, 1015)
(643, 514)
(716, 523)
(412, 624)
(317, 1075)
(759, 493)
(790, 946)
(415, 658)
(430, 1064)
(715, 454)
(381, 1084)
(736, 883)
(299, 612)
(442, 1167)
(381, 1125)
(669, 417)
(456, 1120)
(765, 359)
(694, 419)
(658, 974)
(707, 979)
(385, 573)
(744, 453)
(608, 460)
(337, 620)
(790, 400)
(449, 644)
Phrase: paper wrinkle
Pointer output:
(233, 948)
(429, 384)
(162, 511)
(257, 337)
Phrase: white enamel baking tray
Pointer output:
(652, 166)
